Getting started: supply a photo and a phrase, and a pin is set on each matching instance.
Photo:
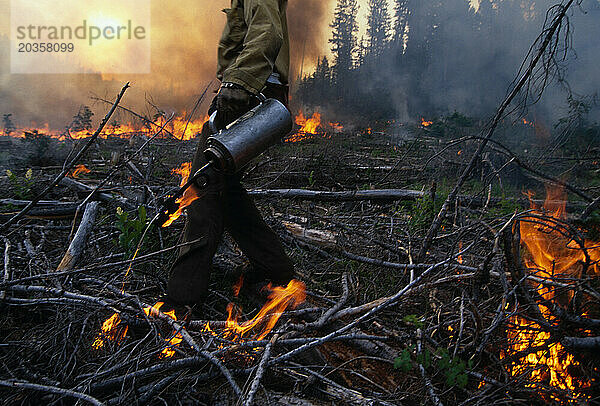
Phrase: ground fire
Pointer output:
(551, 257)
(279, 300)
(79, 169)
(180, 127)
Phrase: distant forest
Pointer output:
(432, 57)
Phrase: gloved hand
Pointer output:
(231, 102)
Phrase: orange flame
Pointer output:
(308, 125)
(551, 255)
(78, 170)
(189, 195)
(425, 123)
(279, 300)
(172, 342)
(111, 330)
(238, 286)
(178, 126)
(529, 123)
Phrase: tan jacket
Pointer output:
(254, 44)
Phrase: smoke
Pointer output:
(184, 34)
(457, 59)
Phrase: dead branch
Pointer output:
(354, 195)
(139, 259)
(77, 246)
(51, 389)
(6, 274)
(430, 389)
(102, 196)
(581, 343)
(260, 369)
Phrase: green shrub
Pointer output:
(22, 187)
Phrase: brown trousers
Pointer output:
(226, 206)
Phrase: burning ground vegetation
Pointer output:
(503, 305)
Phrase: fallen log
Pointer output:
(66, 210)
(389, 195)
(320, 237)
(22, 203)
(349, 195)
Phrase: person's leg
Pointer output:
(189, 276)
(245, 224)
(256, 239)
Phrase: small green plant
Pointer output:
(311, 179)
(454, 369)
(414, 320)
(460, 120)
(131, 229)
(504, 207)
(22, 187)
(422, 212)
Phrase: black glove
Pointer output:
(231, 103)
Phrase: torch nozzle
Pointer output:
(169, 205)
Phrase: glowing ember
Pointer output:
(337, 127)
(425, 123)
(279, 300)
(189, 195)
(551, 256)
(78, 170)
(308, 125)
(529, 123)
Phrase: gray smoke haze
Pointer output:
(475, 60)
(184, 33)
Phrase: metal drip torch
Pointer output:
(232, 148)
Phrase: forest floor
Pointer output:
(476, 320)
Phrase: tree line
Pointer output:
(427, 57)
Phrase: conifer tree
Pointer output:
(343, 40)
(378, 26)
